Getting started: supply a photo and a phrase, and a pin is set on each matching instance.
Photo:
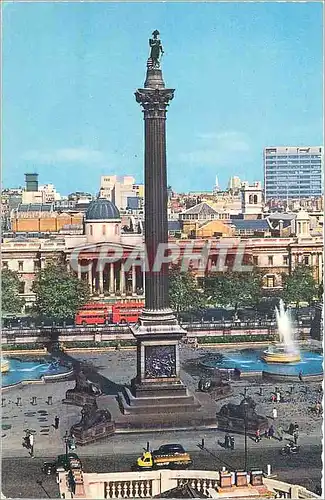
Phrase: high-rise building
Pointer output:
(293, 172)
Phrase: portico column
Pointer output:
(90, 276)
(134, 280)
(320, 268)
(111, 279)
(79, 271)
(122, 279)
(68, 265)
(101, 280)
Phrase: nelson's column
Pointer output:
(157, 388)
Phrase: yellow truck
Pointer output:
(168, 456)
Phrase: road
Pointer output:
(22, 477)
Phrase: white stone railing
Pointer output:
(287, 490)
(149, 484)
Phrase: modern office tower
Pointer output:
(293, 172)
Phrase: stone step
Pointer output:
(151, 407)
(157, 400)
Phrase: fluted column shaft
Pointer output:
(156, 224)
(154, 103)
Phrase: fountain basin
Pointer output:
(249, 362)
(33, 370)
(279, 354)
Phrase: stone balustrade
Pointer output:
(149, 484)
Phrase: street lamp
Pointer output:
(66, 438)
(245, 427)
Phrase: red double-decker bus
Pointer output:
(101, 313)
(94, 314)
(126, 312)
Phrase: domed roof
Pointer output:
(102, 209)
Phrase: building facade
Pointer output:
(293, 172)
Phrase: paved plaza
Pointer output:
(119, 367)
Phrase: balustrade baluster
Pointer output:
(136, 492)
(125, 490)
(148, 488)
(193, 484)
(204, 489)
(113, 490)
(198, 485)
(131, 489)
(119, 490)
(142, 489)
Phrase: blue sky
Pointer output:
(247, 75)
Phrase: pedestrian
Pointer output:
(266, 433)
(318, 408)
(280, 433)
(31, 445)
(300, 376)
(274, 413)
(295, 436)
(278, 397)
(56, 422)
(273, 398)
(296, 427)
(232, 442)
(271, 432)
(227, 441)
(257, 436)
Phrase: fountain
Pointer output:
(285, 351)
(282, 359)
(15, 371)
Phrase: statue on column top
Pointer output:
(156, 51)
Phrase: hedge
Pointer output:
(89, 343)
(21, 347)
(227, 339)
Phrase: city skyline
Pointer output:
(247, 76)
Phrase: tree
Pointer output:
(299, 286)
(59, 293)
(11, 301)
(235, 289)
(184, 294)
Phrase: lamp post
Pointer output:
(245, 428)
(66, 438)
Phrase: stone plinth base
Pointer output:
(178, 418)
(95, 433)
(131, 405)
(78, 398)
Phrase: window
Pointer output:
(5, 265)
(91, 230)
(104, 229)
(20, 265)
(306, 260)
(255, 260)
(285, 260)
(22, 287)
(270, 260)
(270, 281)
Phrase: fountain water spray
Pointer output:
(285, 330)
(285, 351)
